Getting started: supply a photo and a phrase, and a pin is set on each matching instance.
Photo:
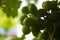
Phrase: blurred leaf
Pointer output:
(28, 1)
(21, 38)
(11, 7)
(35, 1)
(8, 23)
(0, 2)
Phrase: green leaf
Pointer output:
(10, 12)
(11, 7)
(28, 1)
(35, 1)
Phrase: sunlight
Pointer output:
(19, 30)
(29, 36)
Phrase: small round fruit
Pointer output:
(32, 8)
(22, 17)
(41, 12)
(26, 30)
(41, 24)
(35, 30)
(47, 5)
(32, 16)
(25, 10)
(54, 4)
(55, 16)
(28, 21)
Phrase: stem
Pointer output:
(51, 35)
(0, 2)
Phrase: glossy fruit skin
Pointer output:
(47, 5)
(22, 17)
(28, 21)
(26, 30)
(41, 12)
(35, 30)
(32, 8)
(25, 10)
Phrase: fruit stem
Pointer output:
(51, 35)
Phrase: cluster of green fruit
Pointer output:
(32, 21)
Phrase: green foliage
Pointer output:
(28, 1)
(10, 7)
(35, 1)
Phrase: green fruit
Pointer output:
(41, 24)
(47, 5)
(33, 29)
(55, 9)
(25, 10)
(22, 17)
(26, 30)
(32, 9)
(32, 16)
(41, 12)
(55, 16)
(28, 21)
(54, 4)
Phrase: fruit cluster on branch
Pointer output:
(46, 18)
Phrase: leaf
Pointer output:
(10, 12)
(0, 2)
(28, 1)
(35, 1)
(11, 7)
(8, 23)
